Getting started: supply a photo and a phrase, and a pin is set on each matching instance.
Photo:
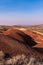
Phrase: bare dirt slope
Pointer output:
(15, 42)
(36, 36)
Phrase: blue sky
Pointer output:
(21, 12)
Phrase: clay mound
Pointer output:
(36, 36)
(12, 47)
(15, 42)
(8, 45)
(14, 34)
(38, 39)
(20, 36)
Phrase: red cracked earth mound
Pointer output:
(15, 42)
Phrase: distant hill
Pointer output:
(32, 27)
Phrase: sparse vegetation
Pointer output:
(20, 60)
(38, 28)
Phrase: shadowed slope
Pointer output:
(36, 36)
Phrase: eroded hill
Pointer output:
(14, 42)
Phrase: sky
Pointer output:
(21, 12)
